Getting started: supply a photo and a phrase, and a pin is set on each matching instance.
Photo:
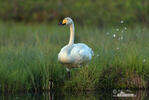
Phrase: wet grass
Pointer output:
(28, 58)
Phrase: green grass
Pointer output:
(28, 58)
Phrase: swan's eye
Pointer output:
(64, 21)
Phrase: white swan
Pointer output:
(73, 55)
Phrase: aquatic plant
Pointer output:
(28, 58)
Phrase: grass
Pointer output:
(28, 58)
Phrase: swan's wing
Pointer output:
(88, 49)
(81, 53)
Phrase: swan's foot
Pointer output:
(68, 73)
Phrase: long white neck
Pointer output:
(72, 33)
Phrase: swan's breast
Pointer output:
(64, 55)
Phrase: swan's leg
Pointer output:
(68, 72)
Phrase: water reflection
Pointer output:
(104, 95)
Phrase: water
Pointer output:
(105, 95)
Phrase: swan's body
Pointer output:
(73, 55)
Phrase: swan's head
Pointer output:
(67, 21)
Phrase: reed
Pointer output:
(28, 58)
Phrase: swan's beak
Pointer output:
(61, 23)
(64, 22)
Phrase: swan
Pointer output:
(73, 55)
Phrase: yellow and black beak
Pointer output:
(63, 22)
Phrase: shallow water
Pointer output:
(105, 95)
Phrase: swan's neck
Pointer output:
(72, 33)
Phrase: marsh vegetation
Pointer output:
(28, 57)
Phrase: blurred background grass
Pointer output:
(90, 12)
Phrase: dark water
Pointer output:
(105, 95)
